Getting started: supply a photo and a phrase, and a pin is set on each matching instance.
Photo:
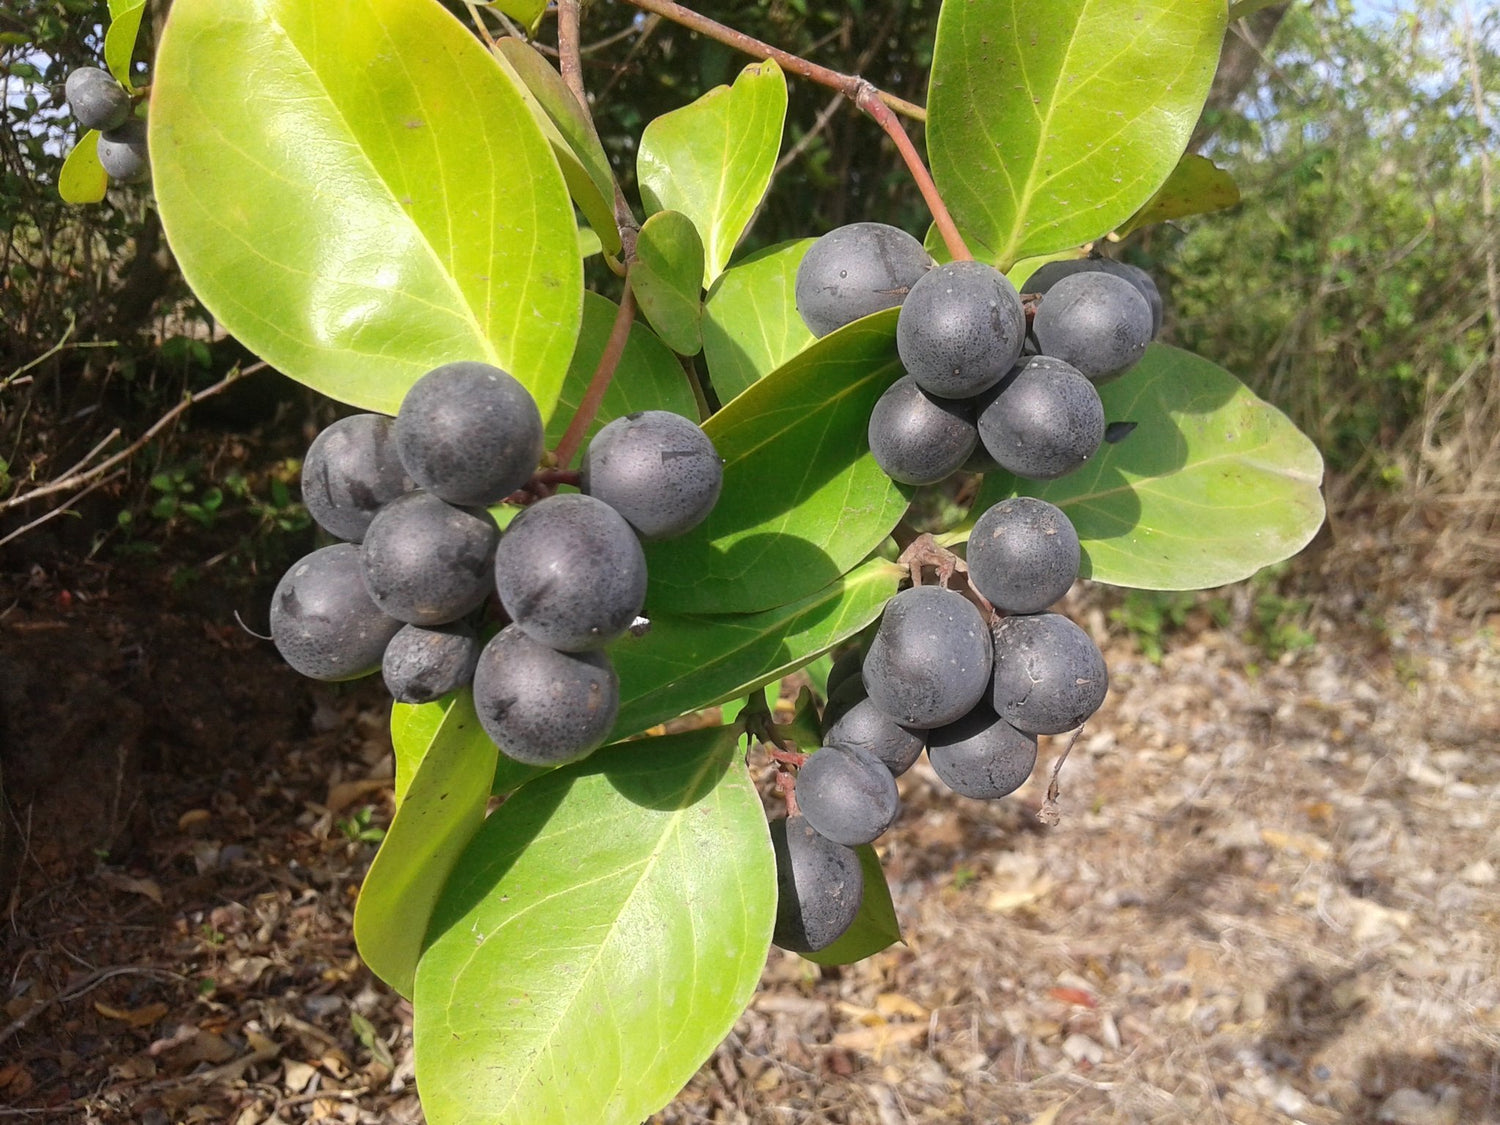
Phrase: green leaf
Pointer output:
(750, 321)
(528, 12)
(413, 728)
(875, 926)
(667, 277)
(119, 40)
(1212, 485)
(803, 499)
(82, 180)
(570, 131)
(1239, 9)
(1050, 122)
(1196, 187)
(687, 663)
(598, 939)
(357, 211)
(649, 376)
(443, 807)
(712, 160)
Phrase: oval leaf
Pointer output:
(443, 807)
(712, 160)
(875, 926)
(526, 12)
(598, 939)
(667, 277)
(591, 181)
(803, 499)
(1197, 186)
(356, 211)
(119, 40)
(750, 321)
(687, 663)
(649, 376)
(82, 179)
(1050, 122)
(1211, 485)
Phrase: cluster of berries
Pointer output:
(99, 102)
(973, 686)
(422, 555)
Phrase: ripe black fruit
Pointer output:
(918, 438)
(930, 660)
(982, 755)
(961, 329)
(1043, 421)
(323, 621)
(854, 271)
(1053, 272)
(1023, 554)
(541, 706)
(96, 99)
(427, 562)
(571, 573)
(1097, 322)
(847, 795)
(865, 726)
(819, 886)
(350, 471)
(469, 433)
(657, 469)
(122, 152)
(422, 664)
(1049, 674)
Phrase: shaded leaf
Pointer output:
(1196, 187)
(382, 211)
(803, 499)
(687, 663)
(667, 277)
(82, 179)
(1050, 122)
(875, 926)
(580, 155)
(443, 807)
(649, 376)
(750, 321)
(712, 160)
(610, 921)
(1212, 485)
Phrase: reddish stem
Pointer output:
(619, 335)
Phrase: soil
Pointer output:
(1274, 894)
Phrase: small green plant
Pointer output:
(359, 829)
(1150, 615)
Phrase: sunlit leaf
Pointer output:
(82, 180)
(667, 277)
(750, 321)
(119, 39)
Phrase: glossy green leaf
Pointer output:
(875, 926)
(687, 663)
(357, 211)
(82, 180)
(1212, 485)
(649, 376)
(588, 242)
(712, 160)
(527, 12)
(580, 155)
(1197, 186)
(598, 939)
(750, 321)
(413, 728)
(803, 499)
(1050, 122)
(119, 40)
(443, 807)
(667, 277)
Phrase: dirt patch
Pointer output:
(1274, 896)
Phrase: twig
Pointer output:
(88, 984)
(1049, 813)
(74, 480)
(61, 508)
(568, 60)
(619, 335)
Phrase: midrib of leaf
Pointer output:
(481, 331)
(669, 832)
